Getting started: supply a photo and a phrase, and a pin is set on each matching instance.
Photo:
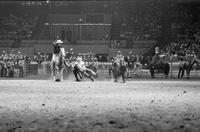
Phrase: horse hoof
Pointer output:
(78, 80)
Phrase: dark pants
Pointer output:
(21, 71)
(77, 73)
(181, 72)
(3, 72)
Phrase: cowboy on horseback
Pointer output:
(57, 45)
(58, 50)
(119, 59)
(119, 66)
(58, 58)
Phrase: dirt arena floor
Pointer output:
(100, 106)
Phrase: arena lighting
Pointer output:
(47, 1)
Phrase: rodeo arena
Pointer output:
(100, 66)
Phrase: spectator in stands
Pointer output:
(39, 58)
(4, 56)
(118, 44)
(143, 60)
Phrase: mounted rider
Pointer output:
(189, 57)
(119, 62)
(119, 59)
(58, 50)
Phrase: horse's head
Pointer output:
(114, 64)
(62, 52)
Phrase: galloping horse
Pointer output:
(58, 66)
(119, 69)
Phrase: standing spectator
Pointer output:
(181, 68)
(4, 58)
(21, 67)
(10, 67)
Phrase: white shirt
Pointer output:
(81, 66)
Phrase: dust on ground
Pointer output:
(102, 106)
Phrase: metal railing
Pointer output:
(44, 71)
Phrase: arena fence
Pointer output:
(44, 71)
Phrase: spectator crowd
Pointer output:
(17, 27)
(10, 61)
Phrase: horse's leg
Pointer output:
(179, 71)
(152, 72)
(166, 69)
(115, 74)
(128, 75)
(123, 78)
(61, 75)
(6, 72)
(2, 71)
(123, 71)
(53, 75)
(188, 71)
(183, 70)
(54, 71)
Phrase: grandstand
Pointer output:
(85, 30)
(100, 27)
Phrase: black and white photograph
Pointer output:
(100, 66)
